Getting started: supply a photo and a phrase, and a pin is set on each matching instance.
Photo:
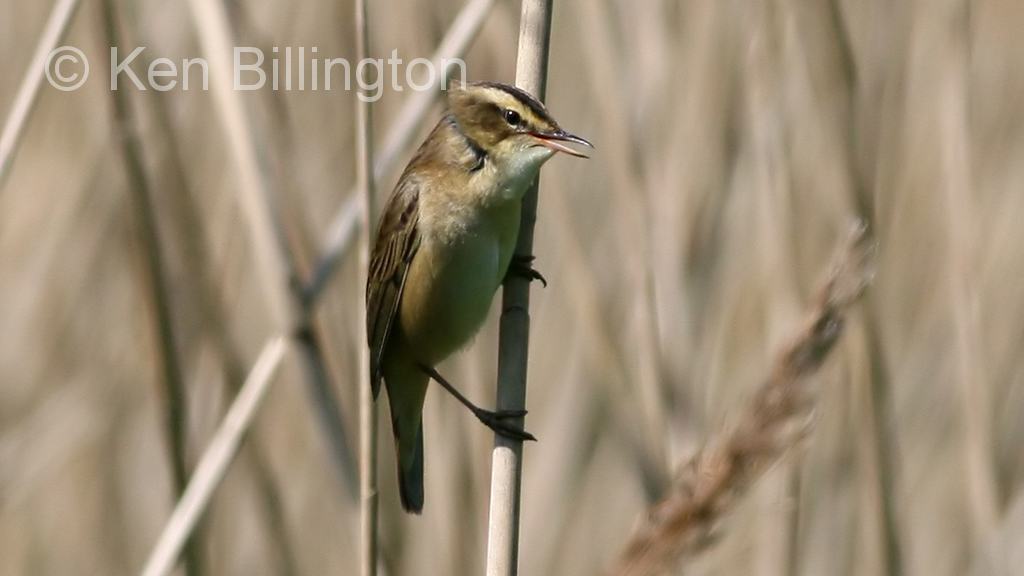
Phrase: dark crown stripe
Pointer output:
(524, 98)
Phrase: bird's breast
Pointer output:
(453, 278)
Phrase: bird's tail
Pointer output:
(409, 452)
(407, 387)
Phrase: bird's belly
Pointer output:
(448, 294)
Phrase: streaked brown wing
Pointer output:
(397, 241)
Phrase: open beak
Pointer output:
(556, 141)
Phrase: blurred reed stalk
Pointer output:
(157, 290)
(879, 410)
(514, 327)
(223, 447)
(194, 238)
(971, 375)
(398, 139)
(263, 210)
(216, 460)
(367, 407)
(778, 417)
(631, 201)
(28, 92)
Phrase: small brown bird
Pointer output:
(444, 245)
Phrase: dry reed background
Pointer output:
(736, 141)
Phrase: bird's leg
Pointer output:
(522, 265)
(495, 420)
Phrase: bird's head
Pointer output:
(508, 124)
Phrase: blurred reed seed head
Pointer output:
(777, 418)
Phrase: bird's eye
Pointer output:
(512, 117)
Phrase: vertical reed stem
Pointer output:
(367, 408)
(514, 331)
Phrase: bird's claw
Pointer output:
(498, 422)
(522, 266)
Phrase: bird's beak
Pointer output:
(555, 140)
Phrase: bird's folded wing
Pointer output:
(397, 241)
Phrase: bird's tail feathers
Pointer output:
(410, 466)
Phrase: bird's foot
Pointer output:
(498, 421)
(522, 266)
